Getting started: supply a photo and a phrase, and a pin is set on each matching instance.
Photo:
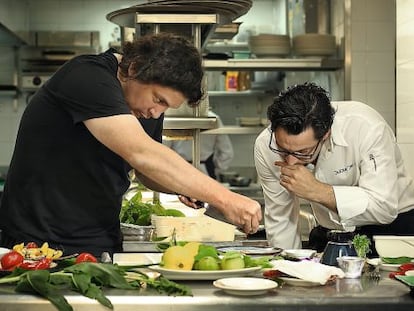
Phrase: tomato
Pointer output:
(394, 273)
(85, 257)
(270, 274)
(41, 264)
(11, 260)
(406, 266)
(32, 245)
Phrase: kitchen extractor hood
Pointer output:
(10, 38)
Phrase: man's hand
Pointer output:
(193, 203)
(300, 181)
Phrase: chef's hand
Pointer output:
(243, 212)
(190, 202)
(297, 179)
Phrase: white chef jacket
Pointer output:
(363, 163)
(219, 146)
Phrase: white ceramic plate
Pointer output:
(251, 250)
(383, 266)
(245, 286)
(3, 251)
(203, 275)
(299, 253)
(298, 282)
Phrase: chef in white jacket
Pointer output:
(216, 151)
(342, 157)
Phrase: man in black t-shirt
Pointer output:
(79, 136)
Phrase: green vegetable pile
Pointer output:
(88, 279)
(136, 212)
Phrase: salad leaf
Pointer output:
(396, 260)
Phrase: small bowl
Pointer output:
(351, 265)
(240, 181)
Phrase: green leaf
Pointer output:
(206, 250)
(36, 281)
(103, 274)
(263, 261)
(396, 260)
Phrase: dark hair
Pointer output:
(165, 59)
(300, 107)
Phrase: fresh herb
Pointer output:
(136, 212)
(88, 279)
(361, 244)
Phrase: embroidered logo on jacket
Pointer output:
(344, 169)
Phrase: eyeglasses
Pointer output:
(298, 155)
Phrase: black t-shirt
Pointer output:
(63, 186)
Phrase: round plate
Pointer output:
(251, 250)
(383, 266)
(203, 274)
(245, 286)
(299, 253)
(298, 282)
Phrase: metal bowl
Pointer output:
(133, 232)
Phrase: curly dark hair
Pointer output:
(165, 59)
(300, 107)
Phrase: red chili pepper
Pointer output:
(41, 264)
(85, 257)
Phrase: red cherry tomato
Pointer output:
(270, 274)
(85, 257)
(32, 245)
(11, 260)
(394, 273)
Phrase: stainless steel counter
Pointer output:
(344, 295)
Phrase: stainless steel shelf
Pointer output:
(186, 123)
(250, 92)
(268, 64)
(235, 130)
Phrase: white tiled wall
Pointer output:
(405, 78)
(373, 55)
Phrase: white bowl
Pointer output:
(394, 246)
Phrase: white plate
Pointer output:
(383, 266)
(245, 286)
(203, 275)
(251, 250)
(389, 266)
(298, 282)
(299, 253)
(3, 251)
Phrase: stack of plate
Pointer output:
(269, 45)
(313, 44)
